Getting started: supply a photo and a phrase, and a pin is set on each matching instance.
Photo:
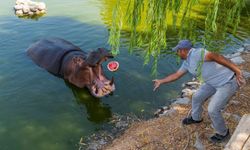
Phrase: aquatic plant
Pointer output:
(148, 22)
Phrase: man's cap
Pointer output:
(183, 44)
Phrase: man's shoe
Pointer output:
(217, 138)
(190, 120)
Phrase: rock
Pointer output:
(41, 6)
(43, 11)
(246, 47)
(227, 115)
(187, 93)
(121, 124)
(241, 49)
(29, 8)
(161, 111)
(246, 74)
(198, 144)
(240, 138)
(38, 12)
(164, 111)
(31, 13)
(26, 9)
(193, 83)
(233, 116)
(184, 101)
(33, 8)
(236, 117)
(230, 56)
(168, 112)
(237, 60)
(18, 7)
(233, 102)
(19, 13)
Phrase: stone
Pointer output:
(161, 110)
(187, 93)
(230, 56)
(240, 139)
(168, 112)
(41, 6)
(38, 12)
(233, 102)
(236, 117)
(19, 12)
(193, 83)
(184, 101)
(246, 74)
(198, 143)
(18, 7)
(26, 9)
(29, 8)
(43, 11)
(33, 8)
(121, 124)
(246, 47)
(241, 49)
(31, 13)
(237, 60)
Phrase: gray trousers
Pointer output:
(219, 98)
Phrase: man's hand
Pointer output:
(167, 79)
(157, 83)
(240, 79)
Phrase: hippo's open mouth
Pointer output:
(100, 85)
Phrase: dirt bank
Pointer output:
(167, 132)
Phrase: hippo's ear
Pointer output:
(97, 56)
(105, 53)
(93, 58)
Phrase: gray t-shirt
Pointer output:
(212, 73)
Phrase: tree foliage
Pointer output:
(149, 21)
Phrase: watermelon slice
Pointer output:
(113, 66)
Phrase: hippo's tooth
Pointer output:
(96, 90)
(100, 92)
(108, 87)
(106, 82)
(104, 90)
(112, 81)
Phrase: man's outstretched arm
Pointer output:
(167, 79)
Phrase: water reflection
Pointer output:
(96, 110)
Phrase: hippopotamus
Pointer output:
(65, 60)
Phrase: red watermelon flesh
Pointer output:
(113, 65)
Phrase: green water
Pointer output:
(40, 111)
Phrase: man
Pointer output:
(221, 79)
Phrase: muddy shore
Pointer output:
(167, 132)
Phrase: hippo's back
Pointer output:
(48, 53)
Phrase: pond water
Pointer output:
(40, 111)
